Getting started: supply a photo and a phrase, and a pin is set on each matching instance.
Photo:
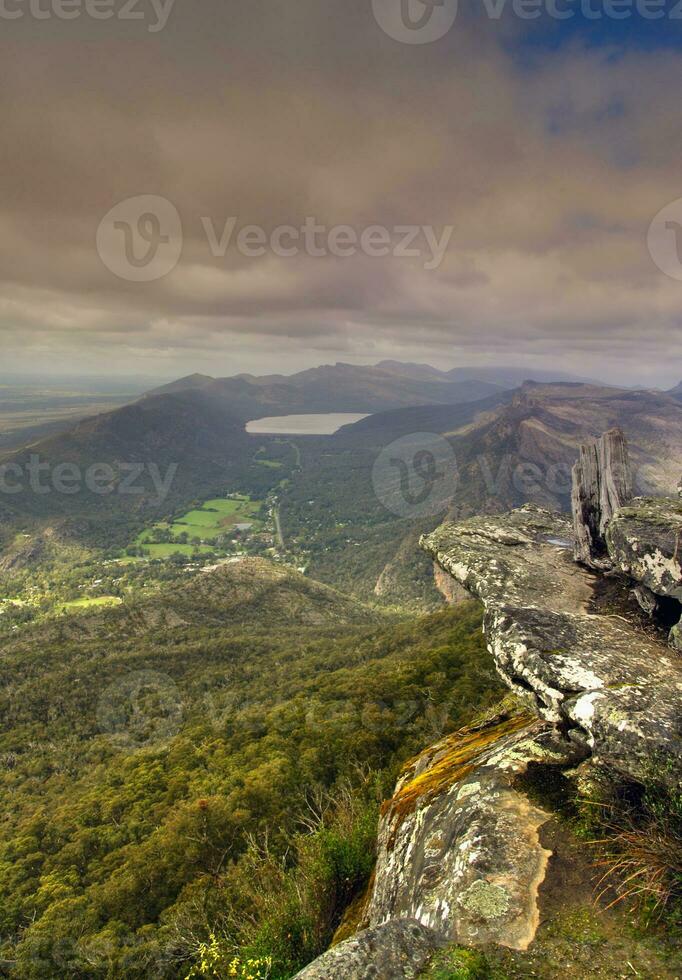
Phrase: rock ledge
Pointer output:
(603, 679)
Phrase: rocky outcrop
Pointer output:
(639, 538)
(644, 541)
(461, 857)
(612, 686)
(396, 950)
(459, 848)
(601, 484)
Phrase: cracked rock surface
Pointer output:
(613, 687)
(396, 950)
(644, 540)
(460, 855)
(459, 848)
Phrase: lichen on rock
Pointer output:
(645, 542)
(616, 688)
(461, 857)
(485, 900)
(459, 847)
(396, 950)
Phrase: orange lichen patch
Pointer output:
(452, 760)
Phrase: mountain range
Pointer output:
(503, 451)
(335, 388)
(536, 425)
(196, 427)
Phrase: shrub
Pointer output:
(283, 909)
(215, 962)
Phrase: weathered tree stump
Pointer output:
(601, 484)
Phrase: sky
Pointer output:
(490, 195)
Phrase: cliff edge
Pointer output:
(464, 847)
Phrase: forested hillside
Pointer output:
(153, 780)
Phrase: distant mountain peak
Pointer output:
(194, 379)
(191, 381)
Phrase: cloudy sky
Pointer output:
(530, 156)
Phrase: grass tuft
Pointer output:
(640, 850)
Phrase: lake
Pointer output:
(303, 425)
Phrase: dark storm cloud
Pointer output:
(270, 111)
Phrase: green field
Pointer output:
(74, 605)
(208, 523)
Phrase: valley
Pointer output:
(234, 727)
(205, 698)
(340, 490)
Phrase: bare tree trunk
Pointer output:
(601, 484)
